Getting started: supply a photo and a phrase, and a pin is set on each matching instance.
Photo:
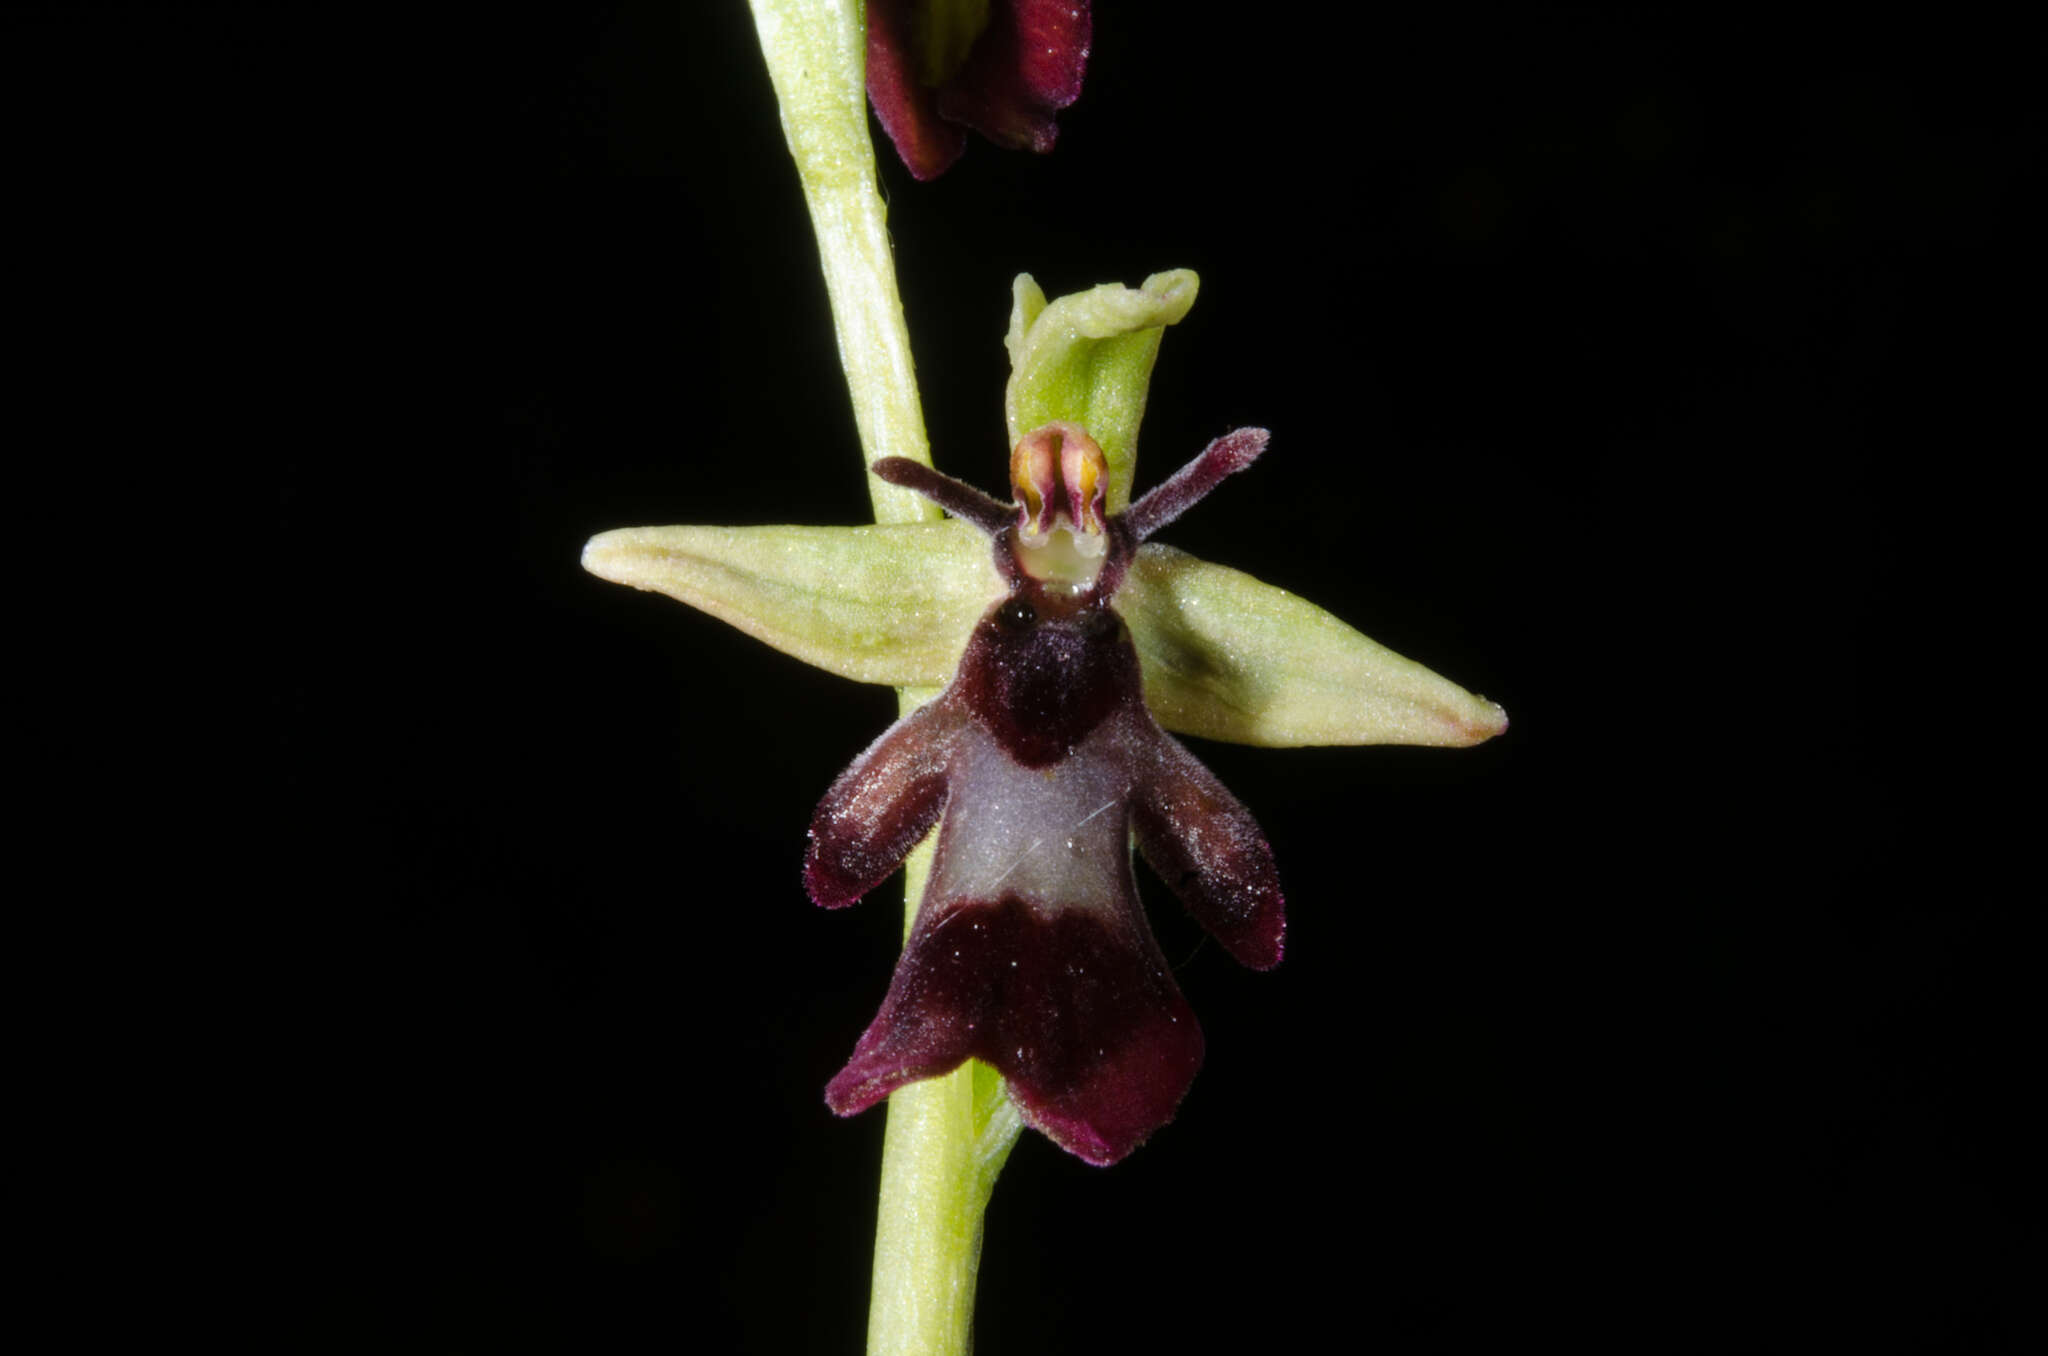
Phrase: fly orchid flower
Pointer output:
(1001, 67)
(1063, 639)
(1029, 951)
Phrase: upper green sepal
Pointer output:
(885, 604)
(1227, 657)
(1087, 359)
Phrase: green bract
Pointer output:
(1225, 656)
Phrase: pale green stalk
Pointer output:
(817, 59)
(947, 1137)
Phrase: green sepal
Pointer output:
(1227, 657)
(1088, 358)
(887, 604)
(1224, 656)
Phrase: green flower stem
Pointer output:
(947, 1137)
(817, 59)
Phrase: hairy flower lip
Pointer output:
(1004, 1003)
(1041, 768)
(1024, 67)
(1030, 950)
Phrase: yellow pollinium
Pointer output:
(1034, 480)
(1085, 470)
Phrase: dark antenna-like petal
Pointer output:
(1184, 488)
(956, 497)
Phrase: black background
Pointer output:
(1612, 368)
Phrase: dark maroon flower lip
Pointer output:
(1041, 766)
(1075, 1009)
(1024, 67)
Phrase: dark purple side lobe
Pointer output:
(1209, 850)
(880, 807)
(1083, 1020)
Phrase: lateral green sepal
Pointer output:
(1227, 657)
(887, 604)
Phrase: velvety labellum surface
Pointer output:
(1029, 950)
